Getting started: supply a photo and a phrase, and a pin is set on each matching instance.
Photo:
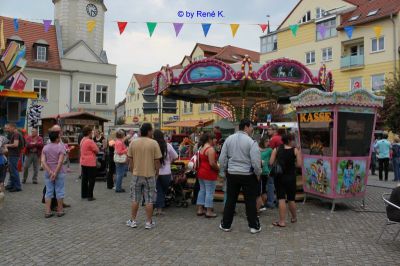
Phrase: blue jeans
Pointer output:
(120, 170)
(270, 192)
(56, 185)
(396, 168)
(206, 193)
(163, 182)
(15, 182)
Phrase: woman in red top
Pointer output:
(207, 175)
(88, 159)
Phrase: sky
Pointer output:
(135, 52)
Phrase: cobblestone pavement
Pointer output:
(95, 233)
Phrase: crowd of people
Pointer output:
(264, 172)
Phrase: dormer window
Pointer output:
(41, 51)
(306, 18)
(373, 13)
(15, 38)
(354, 18)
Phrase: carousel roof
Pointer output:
(240, 84)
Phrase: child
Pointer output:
(348, 175)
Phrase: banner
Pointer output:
(16, 24)
(378, 31)
(177, 28)
(294, 29)
(234, 28)
(322, 30)
(206, 28)
(349, 31)
(121, 26)
(151, 27)
(91, 24)
(46, 24)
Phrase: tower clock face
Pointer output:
(91, 10)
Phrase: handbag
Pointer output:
(277, 169)
(120, 158)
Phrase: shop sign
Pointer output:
(82, 122)
(315, 117)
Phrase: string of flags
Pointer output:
(151, 26)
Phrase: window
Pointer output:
(378, 45)
(327, 54)
(13, 111)
(269, 43)
(319, 13)
(310, 57)
(41, 53)
(378, 82)
(210, 107)
(330, 29)
(185, 107)
(101, 94)
(84, 93)
(306, 17)
(202, 107)
(191, 108)
(356, 83)
(40, 87)
(373, 13)
(354, 18)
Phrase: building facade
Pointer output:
(365, 60)
(67, 65)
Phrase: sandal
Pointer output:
(201, 214)
(277, 224)
(293, 220)
(48, 215)
(214, 215)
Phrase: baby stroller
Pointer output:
(178, 193)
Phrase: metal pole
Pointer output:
(159, 111)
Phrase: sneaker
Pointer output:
(113, 188)
(263, 209)
(150, 225)
(131, 223)
(224, 229)
(255, 231)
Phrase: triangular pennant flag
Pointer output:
(234, 28)
(121, 26)
(378, 31)
(2, 42)
(349, 31)
(206, 28)
(46, 24)
(322, 30)
(16, 24)
(177, 27)
(263, 27)
(294, 29)
(91, 24)
(151, 27)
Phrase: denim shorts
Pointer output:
(57, 186)
(143, 186)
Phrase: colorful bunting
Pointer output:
(46, 24)
(322, 30)
(91, 24)
(263, 27)
(177, 27)
(378, 31)
(294, 29)
(151, 27)
(16, 24)
(121, 26)
(349, 31)
(206, 28)
(2, 42)
(234, 28)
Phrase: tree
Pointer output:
(120, 121)
(390, 112)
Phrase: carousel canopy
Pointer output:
(241, 84)
(191, 123)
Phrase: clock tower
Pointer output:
(72, 17)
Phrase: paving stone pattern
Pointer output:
(94, 233)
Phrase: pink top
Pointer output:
(120, 147)
(89, 150)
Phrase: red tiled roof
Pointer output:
(31, 32)
(386, 8)
(208, 48)
(145, 80)
(228, 53)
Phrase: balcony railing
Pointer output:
(351, 61)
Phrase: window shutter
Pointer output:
(47, 53)
(34, 51)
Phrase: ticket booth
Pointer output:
(336, 134)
